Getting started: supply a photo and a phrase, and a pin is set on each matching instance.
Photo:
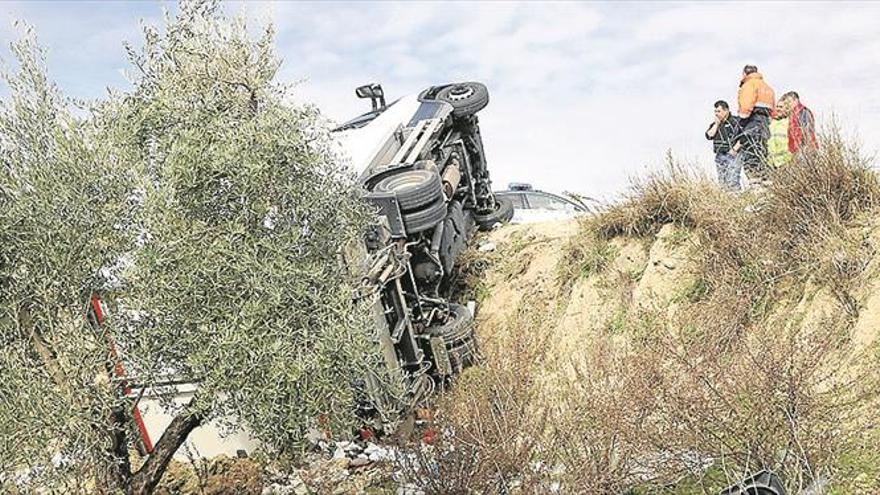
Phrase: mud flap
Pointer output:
(440, 356)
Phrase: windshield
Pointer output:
(545, 201)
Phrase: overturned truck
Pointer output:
(422, 164)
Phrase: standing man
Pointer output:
(801, 123)
(756, 102)
(722, 132)
(777, 146)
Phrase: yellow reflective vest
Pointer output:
(777, 146)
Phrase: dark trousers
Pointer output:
(753, 155)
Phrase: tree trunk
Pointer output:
(148, 476)
(118, 471)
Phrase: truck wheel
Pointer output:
(502, 213)
(458, 329)
(413, 188)
(426, 218)
(458, 335)
(466, 98)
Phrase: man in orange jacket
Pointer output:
(756, 103)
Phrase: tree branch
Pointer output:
(148, 476)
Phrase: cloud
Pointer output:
(586, 95)
(583, 95)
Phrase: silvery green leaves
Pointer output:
(210, 214)
(246, 212)
(62, 202)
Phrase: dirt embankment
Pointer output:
(656, 274)
(578, 305)
(628, 385)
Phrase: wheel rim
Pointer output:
(403, 182)
(458, 93)
(495, 209)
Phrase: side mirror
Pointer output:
(365, 91)
(374, 92)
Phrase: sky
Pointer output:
(583, 96)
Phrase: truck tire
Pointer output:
(458, 329)
(426, 218)
(762, 483)
(413, 188)
(502, 214)
(466, 98)
(458, 335)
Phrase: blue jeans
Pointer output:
(728, 169)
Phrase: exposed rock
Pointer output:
(359, 461)
(339, 453)
(486, 247)
(315, 436)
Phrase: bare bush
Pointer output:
(746, 379)
(756, 368)
(492, 424)
(674, 195)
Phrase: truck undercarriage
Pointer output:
(429, 181)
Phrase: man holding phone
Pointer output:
(723, 133)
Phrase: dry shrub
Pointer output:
(221, 475)
(740, 378)
(822, 189)
(491, 424)
(598, 422)
(744, 375)
(777, 399)
(674, 195)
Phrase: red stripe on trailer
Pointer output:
(142, 427)
(97, 308)
(119, 370)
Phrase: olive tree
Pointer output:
(228, 245)
(63, 198)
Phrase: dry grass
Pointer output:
(747, 378)
(674, 195)
(491, 421)
(756, 369)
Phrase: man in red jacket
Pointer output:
(801, 123)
